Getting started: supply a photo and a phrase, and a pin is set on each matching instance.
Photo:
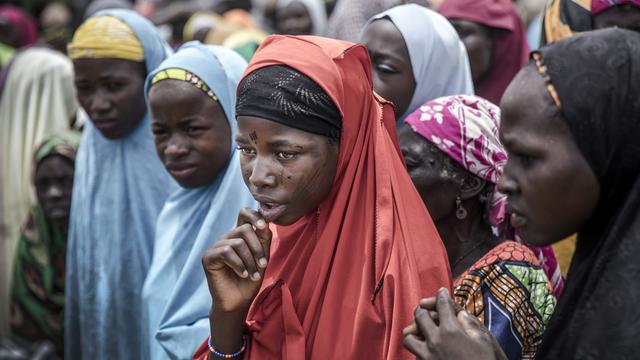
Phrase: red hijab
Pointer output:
(510, 52)
(343, 282)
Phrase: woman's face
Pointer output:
(191, 132)
(436, 185)
(294, 19)
(623, 16)
(8, 34)
(288, 171)
(552, 191)
(54, 185)
(479, 43)
(391, 65)
(111, 91)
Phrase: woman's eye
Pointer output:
(283, 155)
(158, 131)
(193, 130)
(246, 150)
(411, 163)
(83, 88)
(115, 86)
(525, 160)
(386, 69)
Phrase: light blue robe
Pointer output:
(119, 189)
(175, 296)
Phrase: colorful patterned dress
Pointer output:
(508, 291)
(37, 295)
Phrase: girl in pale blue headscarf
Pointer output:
(120, 186)
(437, 57)
(175, 295)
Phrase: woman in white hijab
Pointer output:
(301, 17)
(416, 56)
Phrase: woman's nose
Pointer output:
(262, 174)
(176, 148)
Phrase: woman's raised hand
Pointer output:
(235, 265)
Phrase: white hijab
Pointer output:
(438, 57)
(38, 100)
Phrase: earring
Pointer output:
(461, 212)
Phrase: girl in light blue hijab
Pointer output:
(192, 99)
(120, 186)
(416, 57)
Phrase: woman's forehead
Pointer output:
(95, 67)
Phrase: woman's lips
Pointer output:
(105, 125)
(271, 211)
(517, 220)
(181, 172)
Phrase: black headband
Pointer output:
(281, 94)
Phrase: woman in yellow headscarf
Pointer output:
(120, 186)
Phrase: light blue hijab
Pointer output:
(438, 58)
(119, 188)
(175, 295)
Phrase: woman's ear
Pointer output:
(471, 187)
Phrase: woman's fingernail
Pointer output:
(262, 262)
(443, 292)
(245, 274)
(256, 276)
(261, 224)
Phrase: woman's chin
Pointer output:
(288, 218)
(535, 238)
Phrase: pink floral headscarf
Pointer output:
(598, 6)
(466, 128)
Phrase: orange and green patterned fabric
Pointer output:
(508, 291)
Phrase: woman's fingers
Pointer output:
(253, 243)
(248, 258)
(476, 331)
(251, 217)
(446, 311)
(224, 255)
(411, 329)
(261, 228)
(416, 346)
(426, 326)
(428, 303)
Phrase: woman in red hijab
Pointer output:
(18, 28)
(495, 39)
(341, 247)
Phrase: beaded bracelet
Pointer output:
(227, 356)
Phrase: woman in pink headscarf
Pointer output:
(18, 28)
(496, 42)
(455, 158)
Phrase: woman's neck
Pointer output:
(466, 240)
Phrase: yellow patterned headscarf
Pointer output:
(184, 75)
(107, 37)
